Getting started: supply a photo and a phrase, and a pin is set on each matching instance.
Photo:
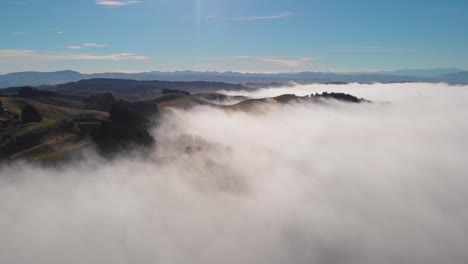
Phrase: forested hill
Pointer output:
(130, 89)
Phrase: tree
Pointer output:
(174, 91)
(30, 114)
(126, 129)
(99, 101)
(121, 115)
(27, 91)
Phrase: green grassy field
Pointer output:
(47, 139)
(10, 104)
(57, 101)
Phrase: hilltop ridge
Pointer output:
(79, 115)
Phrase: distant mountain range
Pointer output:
(452, 76)
(423, 72)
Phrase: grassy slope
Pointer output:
(47, 130)
(57, 101)
(55, 142)
(11, 105)
(53, 112)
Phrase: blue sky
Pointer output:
(241, 35)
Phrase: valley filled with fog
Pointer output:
(331, 182)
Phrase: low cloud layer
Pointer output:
(330, 183)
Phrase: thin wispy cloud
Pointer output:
(235, 57)
(368, 48)
(116, 3)
(15, 53)
(253, 18)
(260, 64)
(210, 17)
(57, 30)
(19, 33)
(74, 47)
(114, 57)
(365, 48)
(34, 55)
(94, 45)
(290, 63)
(278, 60)
(88, 45)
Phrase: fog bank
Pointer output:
(301, 183)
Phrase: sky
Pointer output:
(242, 35)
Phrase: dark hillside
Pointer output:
(136, 90)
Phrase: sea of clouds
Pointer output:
(384, 182)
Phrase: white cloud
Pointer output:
(19, 33)
(290, 63)
(114, 57)
(94, 45)
(33, 55)
(57, 30)
(369, 48)
(252, 18)
(87, 45)
(74, 47)
(15, 53)
(261, 63)
(116, 3)
(236, 57)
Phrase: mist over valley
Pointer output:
(300, 182)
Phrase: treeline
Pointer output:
(29, 92)
(339, 96)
